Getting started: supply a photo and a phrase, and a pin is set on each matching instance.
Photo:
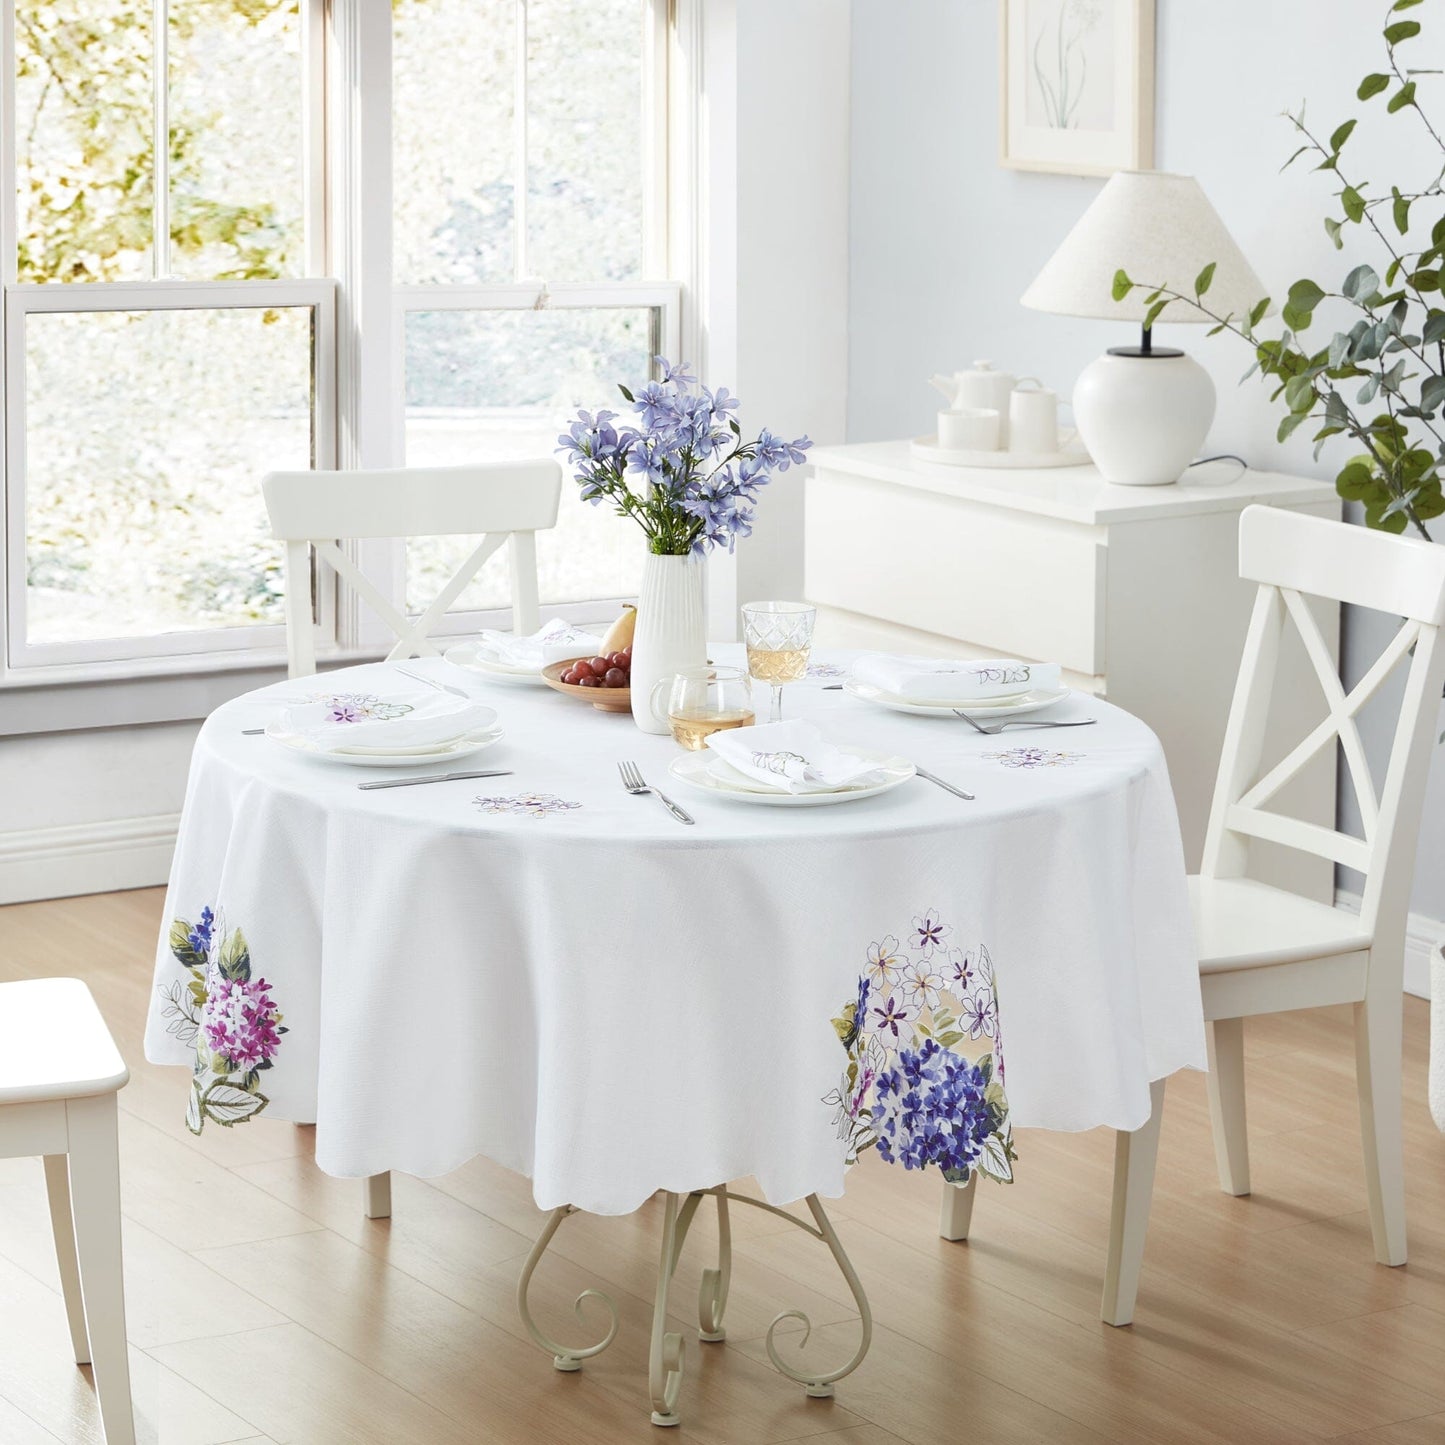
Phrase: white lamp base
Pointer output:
(1143, 418)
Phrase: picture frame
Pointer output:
(1076, 85)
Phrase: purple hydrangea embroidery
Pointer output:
(228, 1015)
(912, 1087)
(1033, 758)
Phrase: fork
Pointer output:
(432, 682)
(993, 728)
(632, 780)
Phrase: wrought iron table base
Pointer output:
(665, 1358)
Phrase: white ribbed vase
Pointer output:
(671, 632)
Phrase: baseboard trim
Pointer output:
(1422, 937)
(80, 858)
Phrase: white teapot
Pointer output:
(984, 388)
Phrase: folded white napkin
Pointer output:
(946, 680)
(555, 641)
(399, 722)
(791, 757)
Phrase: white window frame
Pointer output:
(25, 664)
(361, 401)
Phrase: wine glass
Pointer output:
(778, 637)
(705, 700)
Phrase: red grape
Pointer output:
(615, 677)
(581, 670)
(599, 665)
(627, 652)
(590, 681)
(615, 659)
(570, 678)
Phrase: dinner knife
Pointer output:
(435, 778)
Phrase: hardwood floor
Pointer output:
(263, 1307)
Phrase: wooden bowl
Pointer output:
(604, 699)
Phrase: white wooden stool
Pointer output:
(59, 1074)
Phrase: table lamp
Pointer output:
(1143, 411)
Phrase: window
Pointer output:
(163, 347)
(185, 208)
(529, 196)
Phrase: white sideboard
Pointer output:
(1134, 590)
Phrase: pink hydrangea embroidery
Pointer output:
(241, 1021)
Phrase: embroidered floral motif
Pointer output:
(1034, 758)
(350, 707)
(531, 805)
(228, 1015)
(826, 669)
(1004, 675)
(909, 1089)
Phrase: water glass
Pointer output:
(705, 700)
(779, 636)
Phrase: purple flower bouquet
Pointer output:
(681, 469)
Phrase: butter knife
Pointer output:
(434, 778)
(947, 787)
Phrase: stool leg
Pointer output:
(95, 1202)
(376, 1196)
(62, 1226)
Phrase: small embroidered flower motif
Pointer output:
(826, 669)
(530, 805)
(338, 711)
(980, 1014)
(929, 931)
(1033, 758)
(959, 970)
(778, 762)
(885, 963)
(921, 981)
(892, 1014)
(351, 707)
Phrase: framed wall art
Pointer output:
(1076, 85)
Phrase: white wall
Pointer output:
(944, 240)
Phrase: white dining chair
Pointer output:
(1262, 949)
(507, 502)
(59, 1074)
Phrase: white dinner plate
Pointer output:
(461, 747)
(994, 707)
(472, 657)
(710, 774)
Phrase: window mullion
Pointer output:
(519, 163)
(161, 140)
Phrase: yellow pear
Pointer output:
(619, 635)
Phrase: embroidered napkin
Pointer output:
(554, 642)
(401, 722)
(944, 680)
(792, 757)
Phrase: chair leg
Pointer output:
(1225, 1039)
(62, 1226)
(957, 1211)
(376, 1196)
(95, 1203)
(1378, 1046)
(1134, 1157)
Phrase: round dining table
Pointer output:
(554, 972)
(550, 971)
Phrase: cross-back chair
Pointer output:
(1262, 949)
(509, 502)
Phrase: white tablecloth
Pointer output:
(613, 1003)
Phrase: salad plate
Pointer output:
(476, 657)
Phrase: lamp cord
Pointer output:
(1220, 457)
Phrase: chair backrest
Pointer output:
(509, 502)
(1293, 556)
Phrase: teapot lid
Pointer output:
(983, 366)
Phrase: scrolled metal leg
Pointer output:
(712, 1297)
(564, 1357)
(819, 1383)
(665, 1358)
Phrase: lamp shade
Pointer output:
(1162, 231)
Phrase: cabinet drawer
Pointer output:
(1026, 585)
